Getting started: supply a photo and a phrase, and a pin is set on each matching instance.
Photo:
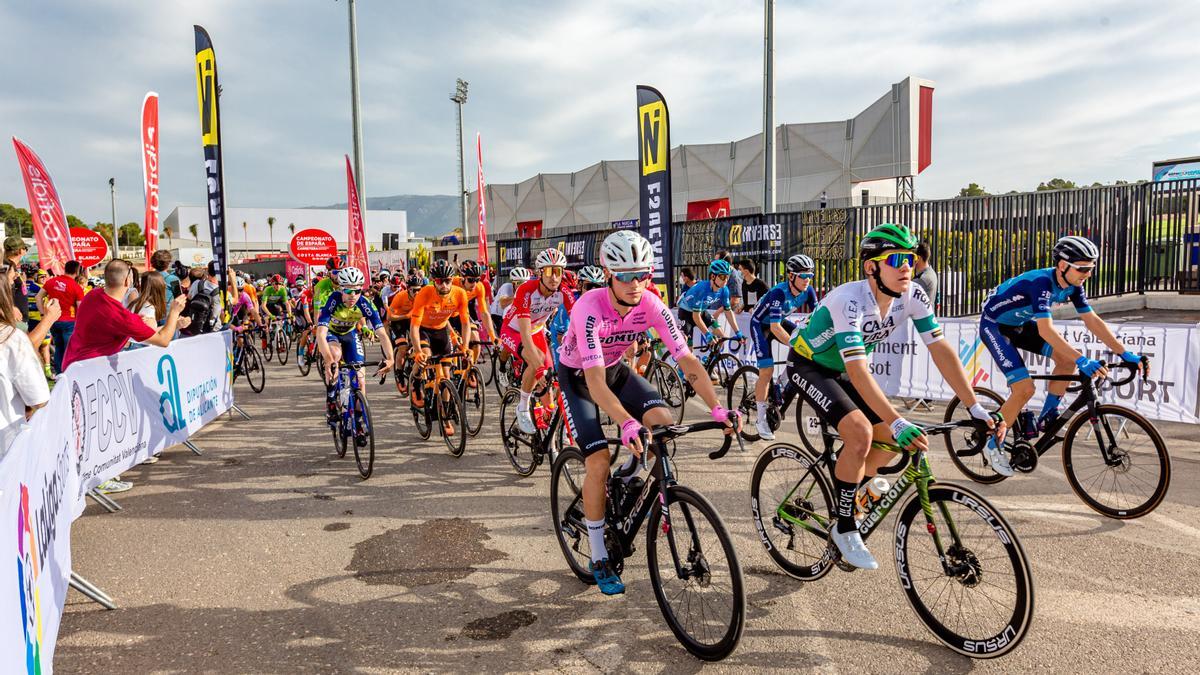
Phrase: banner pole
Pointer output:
(104, 500)
(239, 410)
(192, 446)
(91, 591)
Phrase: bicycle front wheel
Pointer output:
(474, 397)
(1118, 465)
(364, 436)
(421, 405)
(723, 368)
(670, 386)
(566, 510)
(519, 447)
(303, 359)
(977, 596)
(256, 373)
(740, 397)
(695, 574)
(281, 348)
(268, 348)
(960, 444)
(450, 416)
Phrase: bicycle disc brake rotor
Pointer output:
(1023, 458)
(964, 566)
(698, 569)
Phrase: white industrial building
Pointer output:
(248, 234)
(868, 158)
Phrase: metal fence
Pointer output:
(1148, 234)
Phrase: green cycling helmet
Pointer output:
(886, 237)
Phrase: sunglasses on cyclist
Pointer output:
(630, 277)
(349, 291)
(1082, 269)
(553, 271)
(441, 282)
(470, 280)
(803, 275)
(897, 260)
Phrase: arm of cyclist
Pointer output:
(946, 360)
(1102, 331)
(864, 383)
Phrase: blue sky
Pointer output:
(1026, 91)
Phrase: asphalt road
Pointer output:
(268, 554)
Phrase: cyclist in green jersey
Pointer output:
(325, 287)
(276, 300)
(829, 365)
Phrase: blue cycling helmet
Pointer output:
(720, 267)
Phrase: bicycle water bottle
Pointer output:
(344, 395)
(870, 493)
(1027, 424)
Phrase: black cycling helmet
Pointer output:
(469, 268)
(415, 280)
(441, 269)
(1075, 249)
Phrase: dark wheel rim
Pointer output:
(364, 456)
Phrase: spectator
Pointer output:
(14, 250)
(735, 279)
(753, 288)
(134, 284)
(104, 325)
(151, 300)
(686, 280)
(924, 275)
(160, 262)
(204, 305)
(23, 386)
(69, 294)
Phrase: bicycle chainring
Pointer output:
(1024, 457)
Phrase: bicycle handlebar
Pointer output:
(673, 431)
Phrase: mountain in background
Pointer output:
(428, 215)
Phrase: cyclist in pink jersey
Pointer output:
(604, 322)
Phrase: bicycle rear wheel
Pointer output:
(960, 443)
(1118, 465)
(696, 576)
(520, 447)
(474, 399)
(256, 373)
(268, 348)
(792, 504)
(364, 455)
(739, 396)
(566, 510)
(723, 368)
(281, 347)
(979, 603)
(670, 386)
(303, 359)
(450, 412)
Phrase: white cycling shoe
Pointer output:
(997, 460)
(525, 422)
(764, 429)
(853, 550)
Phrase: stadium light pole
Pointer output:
(355, 108)
(112, 191)
(768, 204)
(460, 97)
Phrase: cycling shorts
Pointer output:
(761, 336)
(510, 340)
(437, 340)
(399, 329)
(1003, 342)
(352, 347)
(582, 414)
(277, 308)
(830, 393)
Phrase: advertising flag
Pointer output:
(150, 171)
(483, 251)
(356, 248)
(49, 221)
(207, 95)
(654, 180)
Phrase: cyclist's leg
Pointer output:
(760, 337)
(1002, 343)
(582, 417)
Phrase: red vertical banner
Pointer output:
(925, 129)
(49, 221)
(356, 249)
(483, 250)
(150, 171)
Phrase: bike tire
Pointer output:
(474, 400)
(739, 396)
(451, 410)
(723, 368)
(688, 509)
(364, 457)
(256, 372)
(401, 377)
(1081, 478)
(518, 446)
(422, 418)
(972, 466)
(339, 432)
(670, 386)
(566, 512)
(980, 528)
(303, 360)
(268, 349)
(282, 346)
(788, 477)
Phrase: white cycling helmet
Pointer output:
(551, 257)
(592, 275)
(518, 275)
(800, 263)
(1075, 249)
(350, 277)
(626, 251)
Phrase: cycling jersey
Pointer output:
(478, 295)
(529, 303)
(598, 335)
(341, 318)
(846, 326)
(274, 296)
(702, 296)
(433, 310)
(400, 306)
(248, 289)
(779, 302)
(322, 291)
(1029, 297)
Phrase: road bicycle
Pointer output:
(740, 396)
(352, 424)
(434, 397)
(694, 569)
(472, 392)
(306, 351)
(962, 570)
(282, 334)
(248, 363)
(1115, 460)
(527, 451)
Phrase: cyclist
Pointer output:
(712, 294)
(338, 336)
(1017, 316)
(470, 281)
(594, 377)
(398, 312)
(504, 296)
(276, 301)
(829, 363)
(590, 277)
(325, 287)
(429, 320)
(523, 333)
(769, 320)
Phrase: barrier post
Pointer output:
(91, 591)
(104, 500)
(192, 446)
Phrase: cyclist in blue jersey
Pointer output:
(338, 335)
(706, 301)
(769, 320)
(1017, 316)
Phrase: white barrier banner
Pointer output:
(126, 407)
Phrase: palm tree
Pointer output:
(292, 228)
(245, 237)
(195, 230)
(271, 229)
(170, 241)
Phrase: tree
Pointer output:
(167, 231)
(132, 234)
(194, 228)
(1057, 184)
(74, 221)
(271, 229)
(104, 230)
(973, 190)
(17, 221)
